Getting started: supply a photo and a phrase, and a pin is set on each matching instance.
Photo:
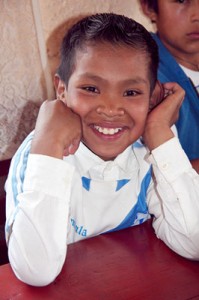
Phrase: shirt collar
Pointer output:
(92, 166)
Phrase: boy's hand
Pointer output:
(58, 130)
(162, 117)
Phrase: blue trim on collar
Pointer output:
(121, 183)
(86, 183)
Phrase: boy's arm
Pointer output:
(37, 218)
(175, 202)
(38, 196)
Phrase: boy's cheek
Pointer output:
(71, 102)
(77, 107)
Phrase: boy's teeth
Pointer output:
(109, 131)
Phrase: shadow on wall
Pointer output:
(28, 116)
(15, 131)
(55, 39)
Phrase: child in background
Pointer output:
(177, 36)
(103, 156)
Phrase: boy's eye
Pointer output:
(90, 89)
(181, 1)
(130, 93)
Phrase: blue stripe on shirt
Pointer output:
(139, 208)
(20, 161)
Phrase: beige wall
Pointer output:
(30, 34)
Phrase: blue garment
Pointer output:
(188, 122)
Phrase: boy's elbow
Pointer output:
(184, 243)
(37, 265)
(187, 247)
(190, 244)
(40, 272)
(36, 280)
(192, 253)
(194, 257)
(39, 277)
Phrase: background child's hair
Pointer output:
(107, 28)
(153, 4)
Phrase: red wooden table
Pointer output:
(130, 264)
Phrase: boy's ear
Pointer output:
(60, 87)
(148, 11)
(157, 95)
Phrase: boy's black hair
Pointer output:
(107, 28)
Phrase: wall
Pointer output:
(30, 34)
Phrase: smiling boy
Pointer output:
(98, 160)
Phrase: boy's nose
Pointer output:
(195, 10)
(110, 110)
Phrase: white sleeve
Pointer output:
(175, 204)
(37, 227)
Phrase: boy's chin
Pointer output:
(108, 155)
(108, 151)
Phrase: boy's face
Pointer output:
(109, 89)
(178, 26)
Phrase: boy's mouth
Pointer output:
(107, 131)
(193, 35)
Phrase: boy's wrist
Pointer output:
(47, 147)
(154, 136)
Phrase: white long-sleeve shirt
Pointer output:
(52, 203)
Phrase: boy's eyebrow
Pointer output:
(136, 79)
